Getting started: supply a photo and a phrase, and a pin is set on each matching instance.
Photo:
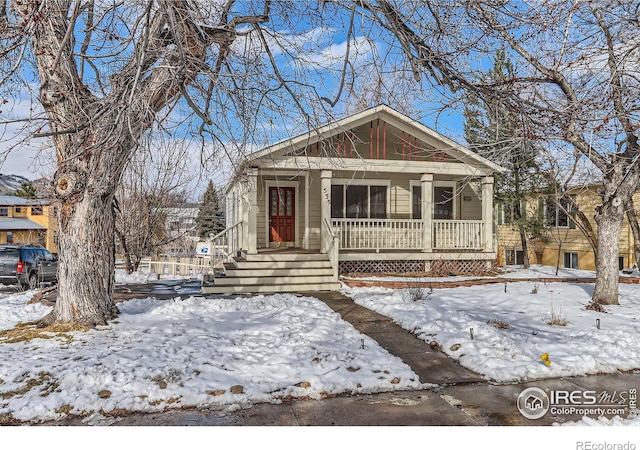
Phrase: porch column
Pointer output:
(427, 211)
(252, 211)
(305, 238)
(325, 209)
(487, 212)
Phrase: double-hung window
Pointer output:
(359, 201)
(555, 215)
(571, 260)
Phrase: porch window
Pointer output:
(337, 200)
(358, 201)
(378, 202)
(443, 202)
(416, 200)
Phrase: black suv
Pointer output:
(27, 265)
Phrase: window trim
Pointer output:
(546, 201)
(451, 184)
(564, 255)
(413, 184)
(502, 211)
(346, 182)
(516, 250)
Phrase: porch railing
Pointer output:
(458, 234)
(226, 243)
(378, 234)
(406, 234)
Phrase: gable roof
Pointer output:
(383, 112)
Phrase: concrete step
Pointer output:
(243, 280)
(262, 271)
(251, 265)
(301, 287)
(261, 257)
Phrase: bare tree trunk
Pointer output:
(525, 250)
(128, 267)
(635, 228)
(85, 273)
(609, 219)
(559, 253)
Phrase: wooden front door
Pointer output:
(282, 222)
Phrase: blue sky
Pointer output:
(311, 54)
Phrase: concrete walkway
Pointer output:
(431, 366)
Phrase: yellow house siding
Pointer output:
(564, 239)
(47, 220)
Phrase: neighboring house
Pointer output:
(29, 221)
(376, 192)
(564, 244)
(180, 225)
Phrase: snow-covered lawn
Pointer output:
(511, 329)
(168, 354)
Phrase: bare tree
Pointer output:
(576, 82)
(230, 73)
(234, 71)
(107, 72)
(159, 177)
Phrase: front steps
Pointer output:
(274, 272)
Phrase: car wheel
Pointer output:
(33, 281)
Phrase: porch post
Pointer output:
(325, 209)
(487, 212)
(252, 212)
(427, 211)
(305, 238)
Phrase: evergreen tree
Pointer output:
(495, 132)
(27, 190)
(210, 217)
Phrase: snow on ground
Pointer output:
(168, 354)
(511, 330)
(603, 421)
(121, 277)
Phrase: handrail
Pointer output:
(226, 230)
(228, 246)
(329, 228)
(333, 249)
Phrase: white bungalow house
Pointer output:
(373, 192)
